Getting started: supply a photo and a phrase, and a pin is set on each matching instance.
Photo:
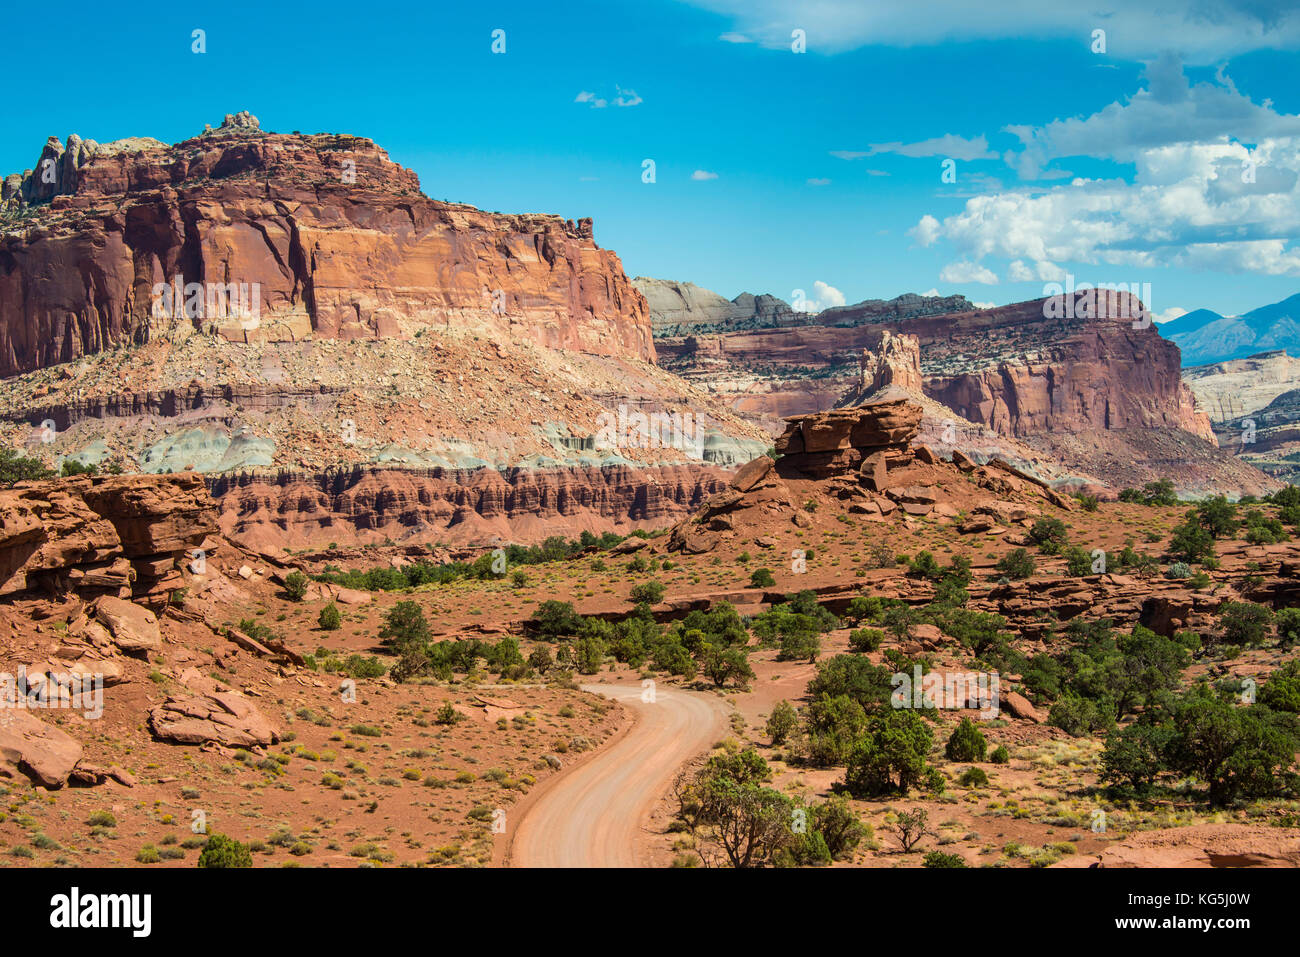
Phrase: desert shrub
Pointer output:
(404, 624)
(722, 665)
(329, 618)
(16, 468)
(839, 827)
(966, 743)
(1179, 570)
(924, 565)
(295, 585)
(1263, 529)
(799, 646)
(890, 756)
(867, 684)
(1018, 564)
(1087, 502)
(943, 859)
(973, 778)
(866, 639)
(1049, 534)
(589, 654)
(781, 722)
(1000, 755)
(1135, 755)
(1241, 752)
(762, 578)
(1081, 716)
(1282, 690)
(447, 714)
(831, 728)
(554, 619)
(1287, 622)
(1078, 562)
(651, 592)
(1191, 541)
(1244, 622)
(223, 851)
(1217, 516)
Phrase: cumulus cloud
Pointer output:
(1135, 29)
(702, 174)
(1169, 315)
(824, 296)
(1199, 198)
(1168, 110)
(964, 272)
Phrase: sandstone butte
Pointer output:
(339, 239)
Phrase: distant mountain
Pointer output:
(685, 309)
(1205, 336)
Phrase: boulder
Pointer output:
(134, 629)
(226, 717)
(751, 473)
(43, 751)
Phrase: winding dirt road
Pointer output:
(595, 815)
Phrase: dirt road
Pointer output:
(594, 815)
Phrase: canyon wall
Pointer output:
(339, 241)
(361, 504)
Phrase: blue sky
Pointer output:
(775, 170)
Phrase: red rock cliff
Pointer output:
(339, 240)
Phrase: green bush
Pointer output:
(651, 592)
(973, 778)
(941, 859)
(1244, 622)
(866, 639)
(330, 619)
(781, 722)
(762, 578)
(295, 585)
(966, 743)
(222, 851)
(1049, 534)
(1018, 564)
(1000, 755)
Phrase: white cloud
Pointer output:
(1168, 110)
(927, 231)
(1199, 199)
(622, 98)
(735, 38)
(1169, 315)
(930, 292)
(819, 181)
(964, 272)
(825, 296)
(702, 174)
(627, 97)
(983, 305)
(1043, 271)
(1135, 29)
(948, 145)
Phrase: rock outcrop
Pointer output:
(861, 461)
(120, 536)
(293, 508)
(318, 235)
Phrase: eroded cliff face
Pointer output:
(1012, 369)
(1022, 372)
(366, 505)
(337, 241)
